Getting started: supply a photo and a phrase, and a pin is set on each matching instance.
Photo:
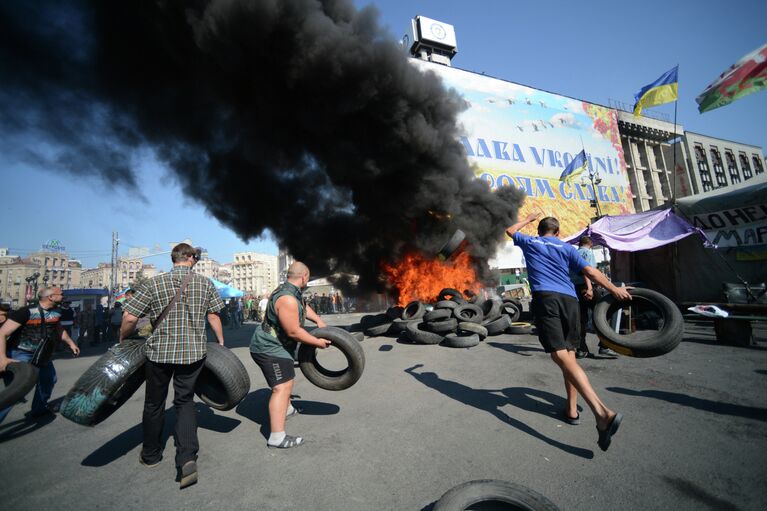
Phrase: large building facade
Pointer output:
(128, 272)
(255, 273)
(52, 268)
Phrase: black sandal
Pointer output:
(287, 442)
(574, 421)
(605, 437)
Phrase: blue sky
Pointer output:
(590, 50)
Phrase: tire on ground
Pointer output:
(442, 327)
(466, 495)
(223, 381)
(511, 310)
(394, 312)
(107, 384)
(413, 310)
(468, 312)
(325, 378)
(438, 314)
(445, 304)
(372, 320)
(650, 343)
(467, 327)
(451, 294)
(24, 377)
(460, 341)
(492, 308)
(520, 328)
(498, 326)
(398, 326)
(417, 334)
(381, 329)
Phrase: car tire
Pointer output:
(24, 378)
(651, 343)
(520, 328)
(492, 308)
(223, 381)
(413, 310)
(468, 312)
(467, 327)
(467, 495)
(378, 330)
(442, 327)
(325, 378)
(460, 340)
(418, 335)
(107, 384)
(498, 326)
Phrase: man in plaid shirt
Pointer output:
(176, 349)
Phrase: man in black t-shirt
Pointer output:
(26, 328)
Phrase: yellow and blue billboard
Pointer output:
(515, 135)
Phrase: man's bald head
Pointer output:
(298, 274)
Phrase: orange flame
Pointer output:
(419, 278)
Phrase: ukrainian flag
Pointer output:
(662, 90)
(575, 167)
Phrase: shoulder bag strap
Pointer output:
(168, 307)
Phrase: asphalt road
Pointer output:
(421, 420)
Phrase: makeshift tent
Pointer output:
(656, 249)
(640, 231)
(227, 291)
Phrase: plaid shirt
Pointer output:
(180, 338)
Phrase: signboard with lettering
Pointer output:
(737, 227)
(519, 136)
(53, 246)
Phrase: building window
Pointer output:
(746, 167)
(758, 167)
(703, 171)
(732, 167)
(716, 161)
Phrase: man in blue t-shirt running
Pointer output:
(555, 306)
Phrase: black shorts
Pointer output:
(276, 369)
(557, 318)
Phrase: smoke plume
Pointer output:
(298, 116)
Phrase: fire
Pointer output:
(419, 278)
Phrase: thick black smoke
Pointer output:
(298, 116)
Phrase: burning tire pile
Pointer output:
(452, 321)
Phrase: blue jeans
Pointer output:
(44, 387)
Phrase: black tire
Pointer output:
(378, 330)
(394, 312)
(520, 328)
(398, 326)
(511, 310)
(491, 309)
(498, 326)
(449, 248)
(648, 343)
(438, 314)
(372, 320)
(360, 336)
(467, 327)
(468, 494)
(445, 304)
(468, 312)
(324, 378)
(442, 327)
(451, 294)
(413, 310)
(416, 333)
(107, 384)
(460, 341)
(24, 377)
(223, 381)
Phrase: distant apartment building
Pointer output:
(128, 271)
(255, 273)
(54, 268)
(210, 268)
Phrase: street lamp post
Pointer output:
(594, 179)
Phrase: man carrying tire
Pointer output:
(585, 292)
(273, 347)
(555, 306)
(27, 328)
(176, 349)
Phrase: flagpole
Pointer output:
(673, 170)
(591, 179)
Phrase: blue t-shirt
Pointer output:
(549, 263)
